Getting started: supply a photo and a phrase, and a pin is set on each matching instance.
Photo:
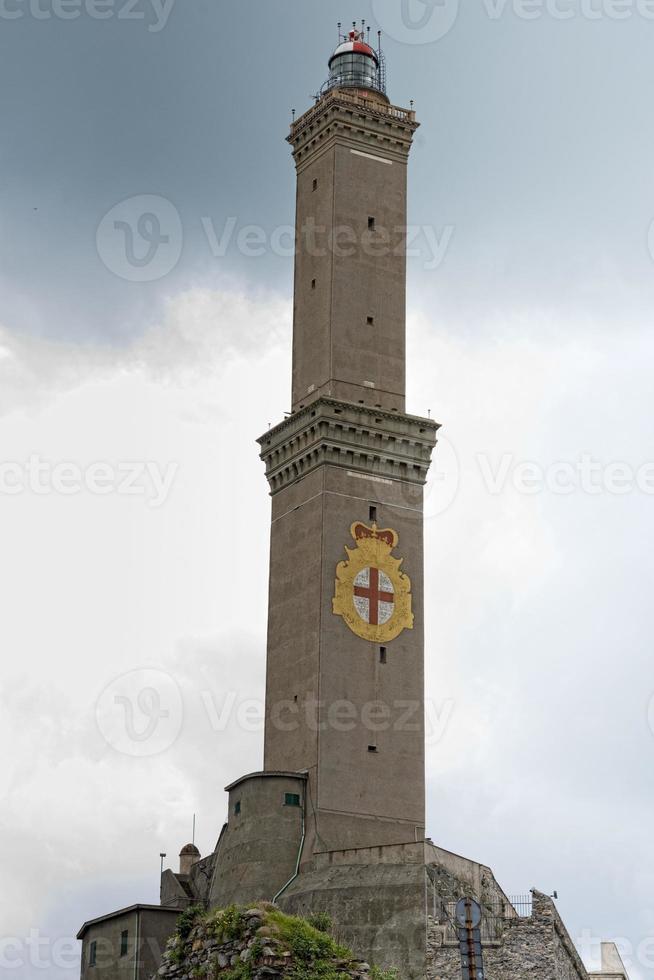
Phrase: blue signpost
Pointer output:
(468, 923)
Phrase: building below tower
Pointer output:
(393, 905)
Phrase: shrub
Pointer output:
(228, 925)
(321, 921)
(187, 920)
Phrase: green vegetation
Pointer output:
(228, 925)
(187, 920)
(314, 953)
(241, 972)
(321, 921)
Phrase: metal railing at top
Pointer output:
(523, 904)
(495, 916)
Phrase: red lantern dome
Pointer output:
(354, 45)
(355, 65)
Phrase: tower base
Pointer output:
(392, 904)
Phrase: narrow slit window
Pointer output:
(237, 808)
(93, 954)
(372, 748)
(371, 321)
(315, 184)
(313, 283)
(383, 655)
(373, 514)
(124, 942)
(371, 224)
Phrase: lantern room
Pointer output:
(356, 65)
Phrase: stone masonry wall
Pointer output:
(255, 945)
(537, 947)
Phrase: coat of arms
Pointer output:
(372, 595)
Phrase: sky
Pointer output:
(146, 196)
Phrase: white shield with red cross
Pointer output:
(374, 596)
(372, 593)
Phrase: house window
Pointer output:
(291, 799)
(383, 656)
(93, 954)
(237, 808)
(124, 938)
(371, 224)
(315, 184)
(373, 513)
(313, 283)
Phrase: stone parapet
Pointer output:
(385, 445)
(536, 946)
(367, 120)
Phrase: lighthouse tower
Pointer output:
(345, 677)
(344, 763)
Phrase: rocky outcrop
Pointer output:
(260, 943)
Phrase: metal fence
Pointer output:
(523, 904)
(495, 915)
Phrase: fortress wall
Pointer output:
(378, 910)
(538, 946)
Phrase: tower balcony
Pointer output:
(366, 110)
(388, 445)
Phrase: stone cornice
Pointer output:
(382, 444)
(341, 100)
(366, 124)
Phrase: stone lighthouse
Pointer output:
(345, 679)
(335, 820)
(344, 759)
